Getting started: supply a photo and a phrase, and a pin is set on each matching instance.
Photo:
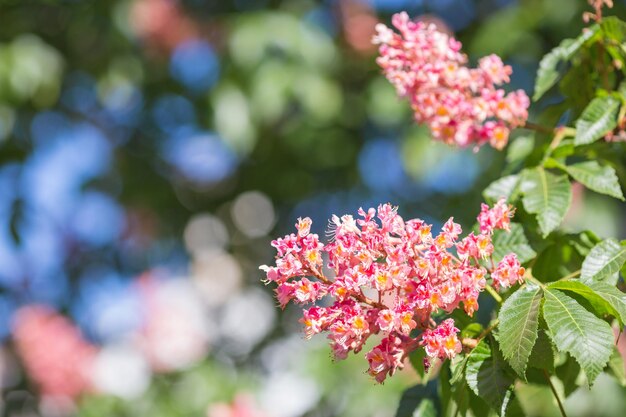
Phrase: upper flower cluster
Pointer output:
(389, 277)
(461, 105)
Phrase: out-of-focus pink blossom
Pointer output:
(56, 357)
(461, 105)
(242, 406)
(174, 335)
(408, 273)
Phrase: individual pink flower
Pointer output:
(55, 355)
(508, 272)
(460, 105)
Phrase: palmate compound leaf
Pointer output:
(519, 320)
(603, 262)
(546, 195)
(486, 375)
(575, 330)
(598, 119)
(601, 179)
(512, 241)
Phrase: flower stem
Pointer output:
(570, 276)
(537, 127)
(556, 395)
(493, 293)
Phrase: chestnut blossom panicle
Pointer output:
(460, 105)
(382, 275)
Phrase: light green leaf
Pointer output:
(600, 179)
(502, 187)
(613, 296)
(546, 195)
(577, 331)
(614, 28)
(486, 374)
(598, 119)
(597, 178)
(603, 262)
(548, 74)
(597, 303)
(457, 367)
(519, 320)
(513, 241)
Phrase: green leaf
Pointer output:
(502, 187)
(603, 262)
(568, 374)
(546, 195)
(614, 28)
(519, 320)
(413, 397)
(425, 409)
(514, 241)
(417, 360)
(613, 296)
(600, 179)
(616, 367)
(548, 74)
(457, 366)
(598, 119)
(596, 302)
(542, 356)
(486, 375)
(577, 331)
(519, 149)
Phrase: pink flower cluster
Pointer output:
(388, 277)
(461, 105)
(53, 351)
(508, 272)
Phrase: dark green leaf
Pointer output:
(568, 374)
(486, 374)
(542, 356)
(412, 398)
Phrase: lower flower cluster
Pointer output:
(382, 275)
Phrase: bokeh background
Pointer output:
(151, 149)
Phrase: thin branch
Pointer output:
(570, 276)
(556, 395)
